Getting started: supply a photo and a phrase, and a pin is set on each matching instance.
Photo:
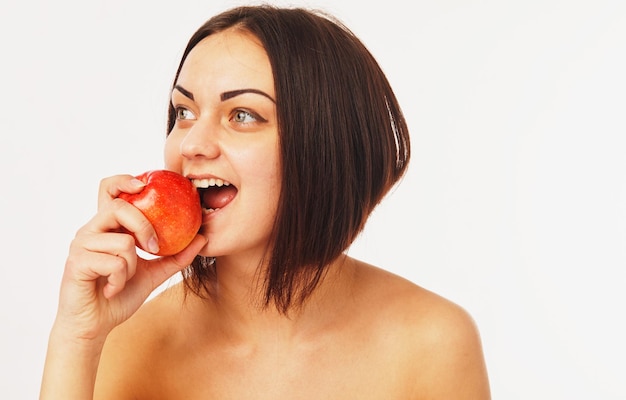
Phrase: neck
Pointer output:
(238, 303)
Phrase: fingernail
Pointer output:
(137, 183)
(153, 245)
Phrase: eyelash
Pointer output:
(238, 112)
(180, 111)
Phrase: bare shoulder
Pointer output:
(437, 339)
(144, 340)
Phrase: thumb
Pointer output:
(163, 268)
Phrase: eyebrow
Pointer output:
(227, 95)
(184, 91)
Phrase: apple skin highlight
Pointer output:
(172, 205)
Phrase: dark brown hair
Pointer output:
(343, 139)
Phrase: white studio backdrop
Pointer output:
(514, 205)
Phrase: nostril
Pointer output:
(199, 149)
(199, 139)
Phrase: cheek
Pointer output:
(264, 166)
(260, 171)
(271, 175)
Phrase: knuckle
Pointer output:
(105, 181)
(119, 204)
(105, 184)
(72, 263)
(110, 180)
(127, 242)
(118, 265)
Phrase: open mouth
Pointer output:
(214, 193)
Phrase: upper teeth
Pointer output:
(206, 183)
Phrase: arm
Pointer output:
(104, 283)
(452, 364)
(70, 368)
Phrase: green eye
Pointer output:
(183, 113)
(243, 117)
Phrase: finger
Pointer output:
(89, 267)
(161, 269)
(116, 280)
(116, 244)
(111, 187)
(119, 215)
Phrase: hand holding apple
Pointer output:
(172, 205)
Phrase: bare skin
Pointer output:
(103, 284)
(364, 333)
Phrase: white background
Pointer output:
(514, 206)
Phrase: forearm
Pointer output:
(70, 368)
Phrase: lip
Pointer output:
(206, 217)
(209, 214)
(203, 176)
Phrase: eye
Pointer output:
(183, 113)
(244, 117)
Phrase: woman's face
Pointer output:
(226, 140)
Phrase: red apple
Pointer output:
(172, 205)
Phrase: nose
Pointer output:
(200, 141)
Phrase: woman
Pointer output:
(290, 130)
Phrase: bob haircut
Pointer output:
(344, 143)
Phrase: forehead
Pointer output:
(228, 60)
